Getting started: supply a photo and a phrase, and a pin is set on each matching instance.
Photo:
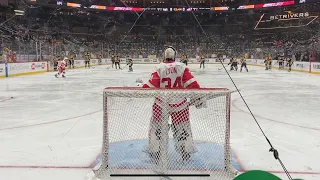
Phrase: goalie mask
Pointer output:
(170, 54)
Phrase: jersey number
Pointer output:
(177, 83)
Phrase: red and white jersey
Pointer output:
(62, 64)
(171, 75)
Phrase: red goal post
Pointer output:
(128, 115)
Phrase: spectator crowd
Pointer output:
(44, 33)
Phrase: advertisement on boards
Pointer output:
(78, 63)
(315, 67)
(2, 70)
(31, 67)
(146, 60)
(93, 61)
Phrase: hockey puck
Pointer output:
(11, 97)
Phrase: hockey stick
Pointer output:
(124, 67)
(109, 67)
(224, 66)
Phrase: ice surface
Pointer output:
(52, 128)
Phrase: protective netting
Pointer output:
(150, 132)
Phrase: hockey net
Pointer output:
(147, 135)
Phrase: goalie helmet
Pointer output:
(170, 54)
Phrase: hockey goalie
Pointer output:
(170, 75)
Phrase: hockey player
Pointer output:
(71, 62)
(87, 60)
(130, 64)
(56, 63)
(112, 60)
(234, 64)
(202, 60)
(243, 64)
(267, 62)
(290, 63)
(62, 68)
(100, 59)
(117, 62)
(171, 75)
(184, 60)
(270, 63)
(281, 63)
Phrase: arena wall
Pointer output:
(20, 69)
(2, 71)
(27, 68)
(298, 66)
(315, 68)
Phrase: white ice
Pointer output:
(52, 128)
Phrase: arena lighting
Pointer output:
(276, 4)
(266, 5)
(246, 7)
(18, 12)
(73, 5)
(222, 8)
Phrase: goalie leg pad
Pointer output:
(154, 141)
(154, 137)
(155, 129)
(182, 135)
(181, 129)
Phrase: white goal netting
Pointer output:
(166, 134)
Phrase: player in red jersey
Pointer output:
(61, 68)
(171, 75)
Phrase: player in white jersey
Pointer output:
(62, 68)
(172, 75)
